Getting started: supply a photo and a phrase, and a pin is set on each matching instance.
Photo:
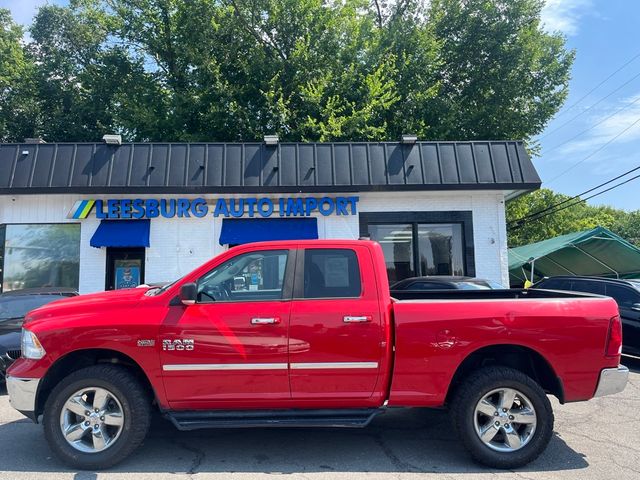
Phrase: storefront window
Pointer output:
(40, 255)
(397, 244)
(440, 249)
(419, 249)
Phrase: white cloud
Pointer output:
(565, 15)
(610, 124)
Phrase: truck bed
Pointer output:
(435, 330)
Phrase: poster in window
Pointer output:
(127, 275)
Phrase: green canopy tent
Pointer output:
(596, 252)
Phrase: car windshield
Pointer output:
(17, 306)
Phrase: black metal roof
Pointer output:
(259, 168)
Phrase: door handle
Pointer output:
(356, 319)
(265, 321)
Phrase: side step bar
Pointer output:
(349, 418)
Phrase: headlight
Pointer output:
(31, 346)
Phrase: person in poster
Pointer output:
(127, 276)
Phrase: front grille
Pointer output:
(14, 354)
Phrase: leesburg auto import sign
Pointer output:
(137, 208)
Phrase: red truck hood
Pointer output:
(85, 304)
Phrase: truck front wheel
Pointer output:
(503, 417)
(96, 417)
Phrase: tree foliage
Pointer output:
(310, 70)
(560, 221)
(17, 102)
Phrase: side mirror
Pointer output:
(635, 307)
(188, 293)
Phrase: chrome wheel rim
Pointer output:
(92, 419)
(505, 420)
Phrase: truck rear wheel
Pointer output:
(503, 417)
(96, 417)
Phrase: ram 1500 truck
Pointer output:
(307, 333)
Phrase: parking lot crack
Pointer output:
(198, 458)
(399, 464)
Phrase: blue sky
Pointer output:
(605, 35)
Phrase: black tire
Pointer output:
(136, 410)
(478, 384)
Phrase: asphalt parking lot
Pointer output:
(599, 439)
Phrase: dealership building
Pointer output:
(98, 216)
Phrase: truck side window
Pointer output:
(331, 273)
(248, 277)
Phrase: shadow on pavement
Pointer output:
(633, 363)
(413, 440)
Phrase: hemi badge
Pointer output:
(146, 343)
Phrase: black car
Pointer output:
(445, 283)
(14, 305)
(625, 292)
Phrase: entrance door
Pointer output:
(335, 335)
(125, 268)
(229, 349)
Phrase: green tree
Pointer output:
(560, 221)
(85, 84)
(502, 76)
(202, 70)
(18, 105)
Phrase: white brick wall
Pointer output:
(179, 245)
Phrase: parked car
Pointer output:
(312, 338)
(14, 305)
(437, 282)
(626, 293)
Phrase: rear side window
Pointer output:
(331, 273)
(556, 284)
(588, 287)
(625, 297)
(430, 286)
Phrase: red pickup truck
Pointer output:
(307, 333)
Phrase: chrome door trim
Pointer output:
(268, 366)
(332, 365)
(223, 366)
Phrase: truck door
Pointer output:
(231, 345)
(335, 335)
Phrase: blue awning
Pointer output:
(247, 230)
(121, 233)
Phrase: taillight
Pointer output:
(614, 338)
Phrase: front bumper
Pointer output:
(22, 394)
(612, 380)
